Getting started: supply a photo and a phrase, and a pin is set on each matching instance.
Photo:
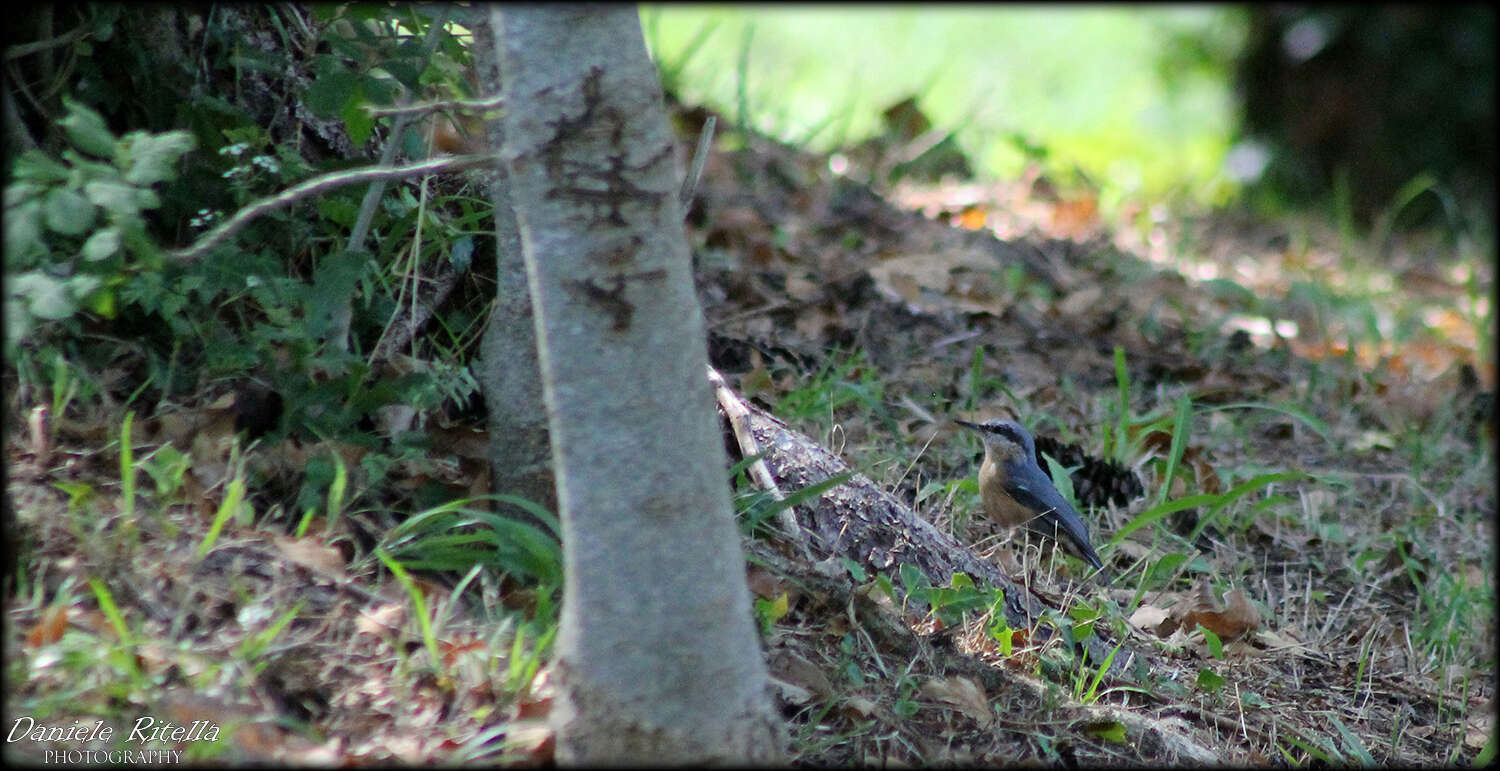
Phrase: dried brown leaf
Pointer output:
(963, 693)
(49, 628)
(386, 618)
(764, 583)
(1237, 618)
(1157, 621)
(309, 552)
(534, 739)
(1075, 217)
(971, 218)
(859, 707)
(1082, 301)
(791, 668)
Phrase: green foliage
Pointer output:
(111, 611)
(88, 214)
(230, 506)
(1211, 640)
(1125, 442)
(419, 606)
(1086, 688)
(1180, 426)
(455, 537)
(127, 470)
(530, 647)
(373, 60)
(755, 509)
(847, 385)
(75, 224)
(949, 604)
(768, 612)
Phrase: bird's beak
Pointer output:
(967, 424)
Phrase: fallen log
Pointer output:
(860, 521)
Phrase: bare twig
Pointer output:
(455, 105)
(322, 184)
(343, 315)
(67, 38)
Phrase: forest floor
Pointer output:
(1321, 404)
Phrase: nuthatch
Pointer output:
(1016, 492)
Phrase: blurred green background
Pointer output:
(1091, 88)
(1142, 100)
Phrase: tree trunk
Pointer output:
(657, 657)
(519, 453)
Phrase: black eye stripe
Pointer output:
(1009, 432)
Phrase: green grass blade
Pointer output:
(1155, 513)
(1236, 492)
(111, 611)
(1122, 384)
(1179, 444)
(1318, 426)
(127, 470)
(419, 606)
(231, 503)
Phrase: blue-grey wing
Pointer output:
(1055, 517)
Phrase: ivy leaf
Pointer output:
(117, 198)
(1209, 680)
(23, 233)
(67, 212)
(87, 131)
(102, 245)
(36, 166)
(45, 296)
(331, 89)
(357, 121)
(152, 157)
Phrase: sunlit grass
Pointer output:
(1101, 89)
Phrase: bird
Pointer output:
(1015, 491)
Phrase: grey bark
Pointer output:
(657, 659)
(519, 452)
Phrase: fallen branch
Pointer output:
(398, 333)
(860, 521)
(739, 424)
